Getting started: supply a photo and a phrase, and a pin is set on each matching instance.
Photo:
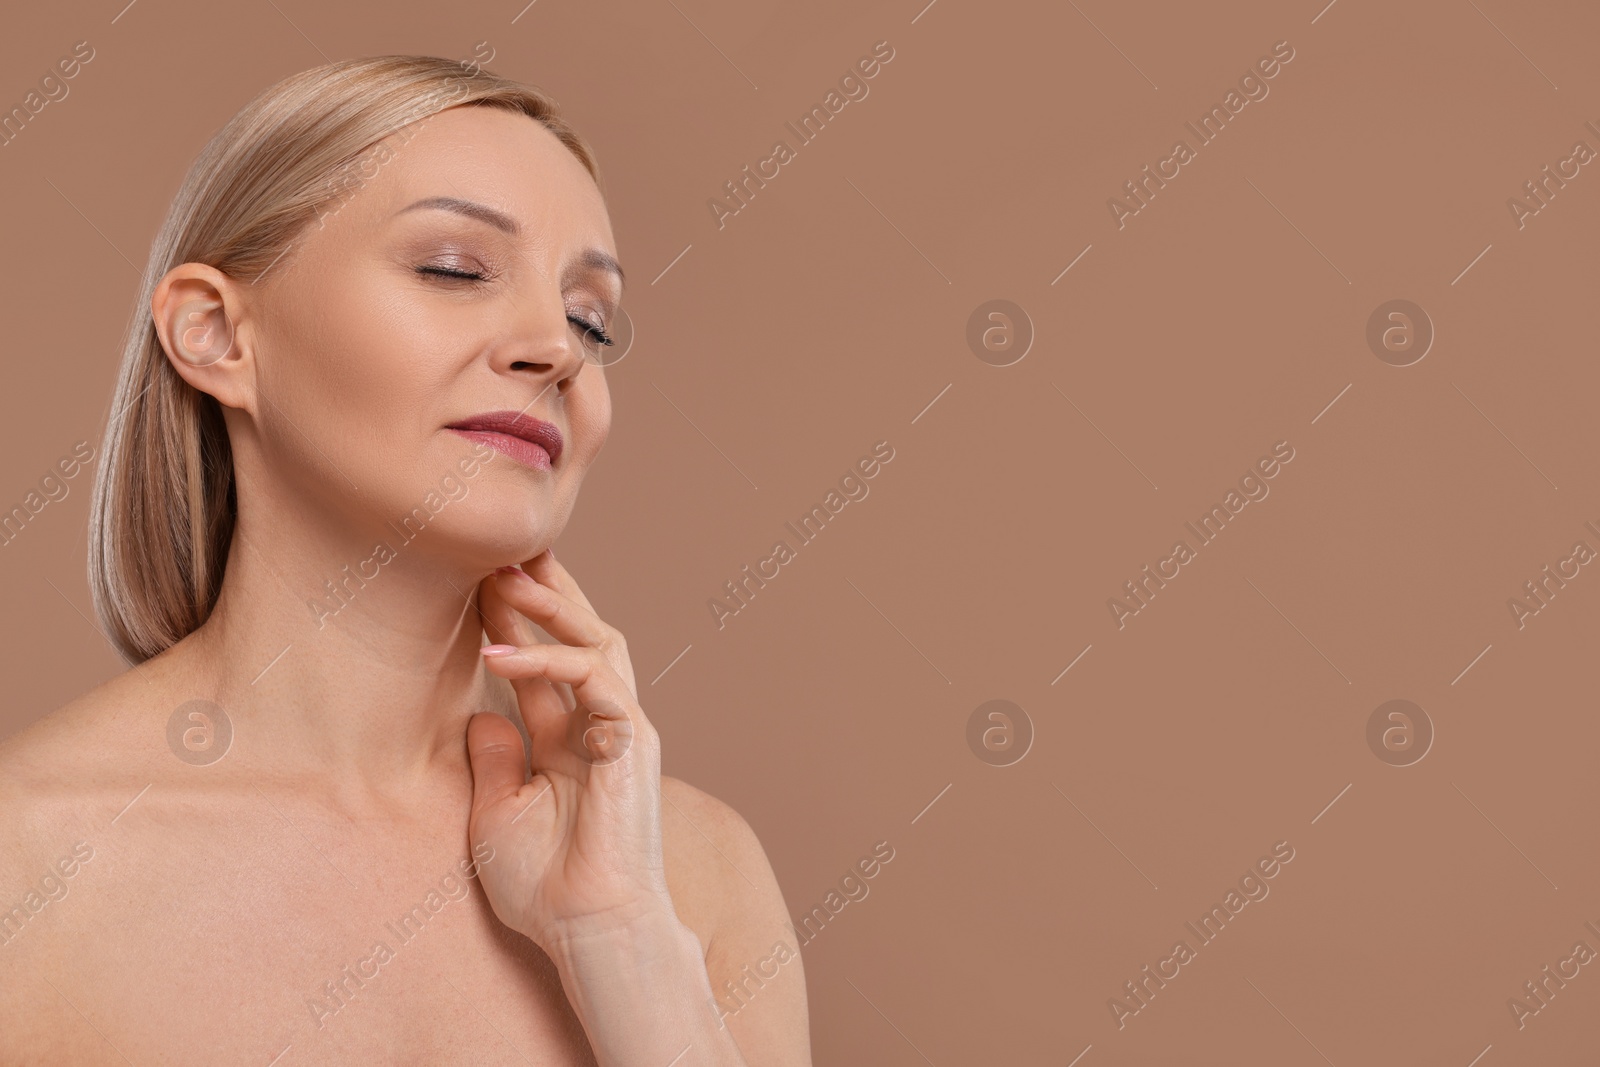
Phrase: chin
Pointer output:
(477, 511)
(490, 537)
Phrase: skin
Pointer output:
(375, 749)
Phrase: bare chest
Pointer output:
(258, 938)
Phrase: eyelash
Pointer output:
(461, 275)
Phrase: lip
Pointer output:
(531, 441)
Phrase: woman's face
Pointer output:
(461, 281)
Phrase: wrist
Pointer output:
(641, 991)
(624, 929)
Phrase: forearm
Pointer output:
(644, 997)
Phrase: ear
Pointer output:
(198, 312)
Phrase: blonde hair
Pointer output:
(162, 513)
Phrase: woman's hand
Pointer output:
(577, 849)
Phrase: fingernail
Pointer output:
(497, 650)
(509, 570)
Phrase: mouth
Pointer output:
(528, 440)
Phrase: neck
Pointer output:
(346, 665)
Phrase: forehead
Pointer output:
(500, 158)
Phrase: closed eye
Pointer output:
(590, 330)
(446, 272)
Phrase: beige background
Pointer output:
(831, 312)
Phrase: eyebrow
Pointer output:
(590, 257)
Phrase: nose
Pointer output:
(540, 344)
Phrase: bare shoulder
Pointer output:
(70, 773)
(693, 802)
(72, 750)
(63, 780)
(724, 889)
(707, 838)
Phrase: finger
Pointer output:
(599, 734)
(603, 698)
(499, 764)
(544, 568)
(565, 619)
(503, 618)
(501, 621)
(543, 704)
(557, 614)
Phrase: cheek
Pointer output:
(589, 414)
(350, 402)
(365, 364)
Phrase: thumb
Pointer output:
(499, 764)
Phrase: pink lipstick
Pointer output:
(527, 440)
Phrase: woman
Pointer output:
(320, 820)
